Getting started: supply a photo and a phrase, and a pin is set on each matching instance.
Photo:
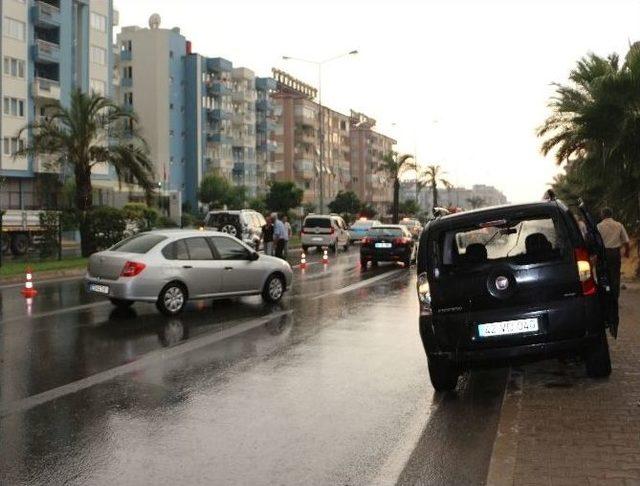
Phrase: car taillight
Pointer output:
(401, 241)
(331, 231)
(585, 272)
(131, 269)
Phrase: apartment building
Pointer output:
(243, 118)
(265, 133)
(48, 48)
(368, 147)
(152, 83)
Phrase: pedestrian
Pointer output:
(280, 236)
(287, 226)
(267, 236)
(615, 240)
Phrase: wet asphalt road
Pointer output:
(328, 387)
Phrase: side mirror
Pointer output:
(254, 256)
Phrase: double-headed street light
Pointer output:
(321, 114)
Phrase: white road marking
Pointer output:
(55, 312)
(148, 359)
(361, 284)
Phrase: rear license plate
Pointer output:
(100, 289)
(517, 326)
(383, 245)
(316, 239)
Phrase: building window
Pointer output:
(14, 67)
(170, 54)
(171, 133)
(127, 72)
(13, 28)
(98, 22)
(98, 86)
(98, 55)
(12, 145)
(171, 106)
(13, 106)
(128, 98)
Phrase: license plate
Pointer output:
(100, 289)
(383, 245)
(316, 239)
(516, 326)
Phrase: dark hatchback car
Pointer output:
(509, 282)
(387, 243)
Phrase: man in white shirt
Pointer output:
(280, 236)
(615, 240)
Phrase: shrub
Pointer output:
(49, 242)
(164, 222)
(106, 225)
(140, 216)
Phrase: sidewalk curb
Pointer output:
(505, 446)
(44, 276)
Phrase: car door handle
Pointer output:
(228, 268)
(187, 266)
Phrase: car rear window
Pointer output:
(317, 223)
(382, 231)
(521, 242)
(221, 219)
(140, 243)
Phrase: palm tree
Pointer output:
(433, 176)
(475, 202)
(395, 165)
(594, 128)
(92, 130)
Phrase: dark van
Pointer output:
(509, 282)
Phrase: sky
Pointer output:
(461, 84)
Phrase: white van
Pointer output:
(320, 230)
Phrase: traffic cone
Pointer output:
(29, 290)
(303, 261)
(325, 258)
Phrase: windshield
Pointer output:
(382, 231)
(140, 243)
(521, 242)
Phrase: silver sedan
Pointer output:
(169, 267)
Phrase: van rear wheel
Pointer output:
(598, 360)
(443, 373)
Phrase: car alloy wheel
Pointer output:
(173, 299)
(275, 289)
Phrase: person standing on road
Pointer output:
(287, 226)
(615, 239)
(280, 236)
(267, 236)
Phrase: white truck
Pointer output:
(20, 229)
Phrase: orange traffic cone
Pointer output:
(29, 290)
(303, 261)
(325, 258)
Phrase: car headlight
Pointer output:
(424, 292)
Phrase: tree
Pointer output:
(258, 204)
(283, 196)
(214, 191)
(409, 207)
(346, 202)
(593, 131)
(433, 176)
(394, 166)
(236, 197)
(475, 202)
(91, 131)
(368, 211)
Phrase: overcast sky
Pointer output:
(463, 84)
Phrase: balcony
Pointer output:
(48, 52)
(264, 105)
(266, 84)
(307, 138)
(237, 119)
(218, 114)
(219, 138)
(45, 15)
(46, 89)
(218, 64)
(126, 55)
(305, 119)
(217, 88)
(304, 168)
(265, 126)
(126, 82)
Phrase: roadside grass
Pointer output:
(11, 269)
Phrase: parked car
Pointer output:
(413, 225)
(328, 231)
(169, 267)
(358, 229)
(387, 243)
(244, 224)
(534, 294)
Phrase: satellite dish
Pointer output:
(154, 21)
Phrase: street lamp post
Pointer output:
(320, 116)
